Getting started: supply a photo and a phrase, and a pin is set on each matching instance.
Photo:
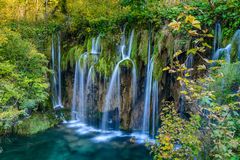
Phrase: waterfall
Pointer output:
(123, 48)
(75, 91)
(83, 93)
(112, 94)
(217, 38)
(148, 87)
(233, 48)
(147, 99)
(96, 45)
(112, 99)
(134, 83)
(79, 108)
(155, 106)
(189, 61)
(56, 73)
(90, 93)
(226, 52)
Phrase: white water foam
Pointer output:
(106, 137)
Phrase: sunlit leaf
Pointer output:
(175, 25)
(188, 8)
(206, 45)
(166, 68)
(201, 67)
(192, 51)
(177, 53)
(193, 32)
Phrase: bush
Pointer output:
(23, 80)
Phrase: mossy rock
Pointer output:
(36, 123)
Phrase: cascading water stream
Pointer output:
(223, 52)
(56, 75)
(78, 101)
(217, 38)
(96, 45)
(147, 99)
(82, 93)
(154, 108)
(148, 88)
(59, 72)
(232, 48)
(112, 99)
(112, 94)
(83, 84)
(75, 91)
(90, 93)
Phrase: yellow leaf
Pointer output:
(206, 60)
(201, 49)
(198, 40)
(188, 8)
(193, 51)
(196, 24)
(171, 71)
(190, 19)
(193, 32)
(193, 21)
(166, 68)
(220, 75)
(180, 16)
(201, 67)
(209, 35)
(175, 25)
(179, 78)
(184, 92)
(206, 45)
(187, 75)
(177, 53)
(205, 31)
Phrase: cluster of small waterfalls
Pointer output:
(86, 97)
(84, 90)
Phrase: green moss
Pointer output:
(157, 43)
(89, 45)
(134, 46)
(158, 67)
(36, 123)
(71, 57)
(143, 46)
(235, 47)
(105, 66)
(108, 56)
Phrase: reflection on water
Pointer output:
(73, 142)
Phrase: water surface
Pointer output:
(74, 142)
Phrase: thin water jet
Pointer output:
(155, 106)
(56, 75)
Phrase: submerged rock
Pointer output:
(36, 123)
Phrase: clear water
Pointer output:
(65, 143)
